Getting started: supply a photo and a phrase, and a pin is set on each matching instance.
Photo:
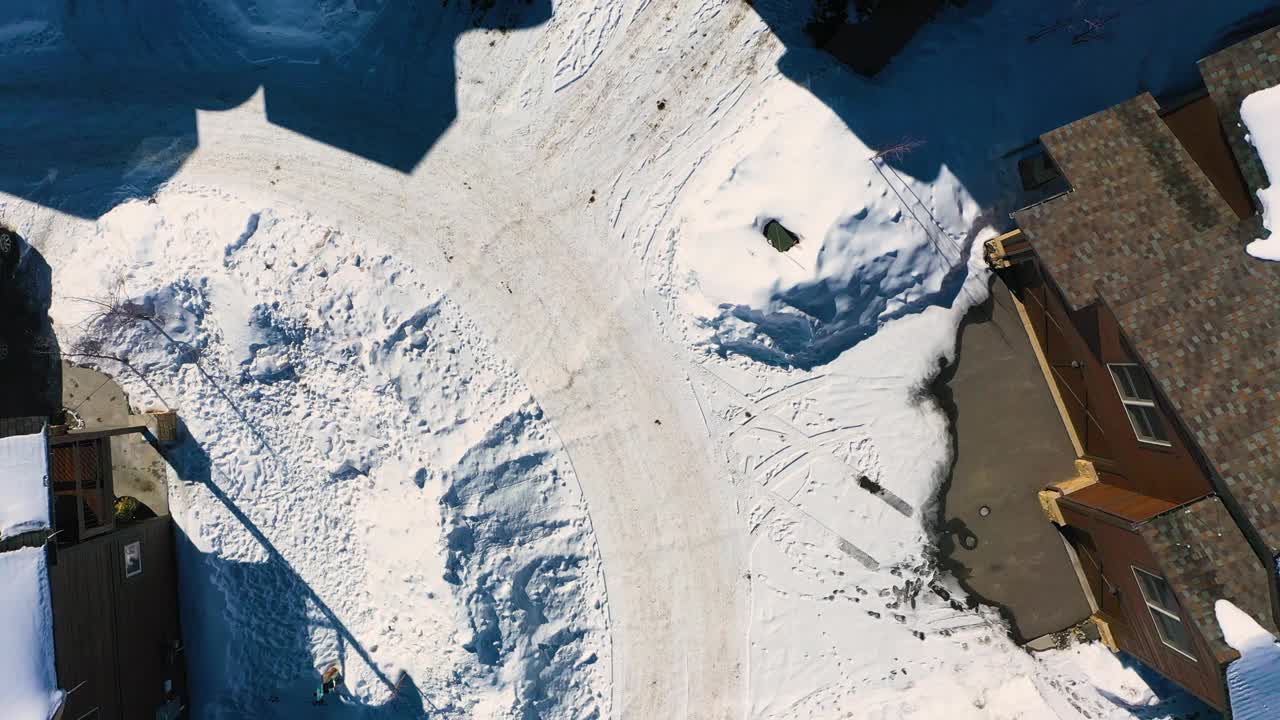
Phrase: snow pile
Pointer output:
(24, 488)
(29, 689)
(875, 245)
(1260, 112)
(365, 483)
(1253, 681)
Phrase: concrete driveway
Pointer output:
(1010, 443)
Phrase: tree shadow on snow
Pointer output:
(100, 98)
(277, 622)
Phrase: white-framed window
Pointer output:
(1139, 402)
(1163, 607)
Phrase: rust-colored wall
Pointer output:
(1078, 347)
(1197, 127)
(114, 633)
(1110, 551)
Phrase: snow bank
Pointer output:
(365, 484)
(1253, 681)
(1260, 112)
(24, 484)
(30, 689)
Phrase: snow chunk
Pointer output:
(24, 492)
(30, 687)
(1239, 630)
(1254, 680)
(1260, 112)
(886, 248)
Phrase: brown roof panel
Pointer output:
(1139, 204)
(1197, 127)
(1121, 503)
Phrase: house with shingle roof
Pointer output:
(1159, 337)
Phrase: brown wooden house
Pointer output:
(113, 585)
(1160, 340)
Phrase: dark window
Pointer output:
(1139, 402)
(81, 473)
(1165, 613)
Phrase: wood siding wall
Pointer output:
(115, 634)
(1078, 346)
(1108, 553)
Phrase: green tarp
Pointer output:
(779, 237)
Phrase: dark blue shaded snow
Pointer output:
(101, 97)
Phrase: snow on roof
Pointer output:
(30, 688)
(1261, 114)
(1253, 681)
(24, 490)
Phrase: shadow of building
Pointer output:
(103, 106)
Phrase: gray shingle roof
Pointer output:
(1145, 231)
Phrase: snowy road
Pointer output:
(563, 313)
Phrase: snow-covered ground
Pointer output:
(1254, 679)
(543, 423)
(366, 483)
